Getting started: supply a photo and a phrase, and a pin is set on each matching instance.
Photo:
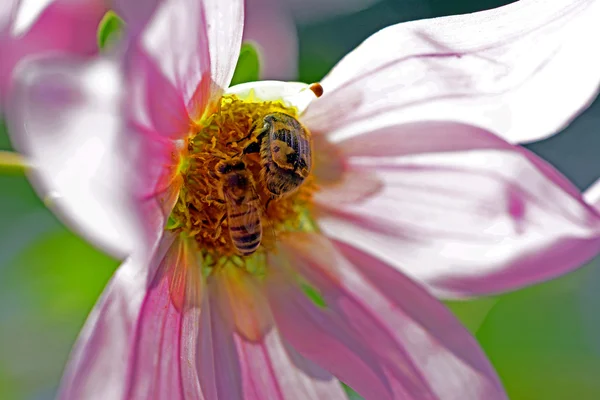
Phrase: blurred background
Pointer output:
(544, 341)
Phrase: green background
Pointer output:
(543, 340)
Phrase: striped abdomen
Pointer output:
(245, 227)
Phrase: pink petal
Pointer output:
(343, 184)
(154, 102)
(234, 365)
(157, 119)
(270, 26)
(174, 52)
(379, 332)
(156, 190)
(224, 38)
(140, 340)
(190, 58)
(31, 28)
(592, 194)
(277, 371)
(418, 138)
(64, 117)
(99, 363)
(499, 69)
(7, 15)
(464, 222)
(161, 365)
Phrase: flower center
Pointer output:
(246, 180)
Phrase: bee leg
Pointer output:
(254, 147)
(250, 132)
(218, 228)
(267, 205)
(215, 199)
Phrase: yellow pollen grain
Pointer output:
(200, 212)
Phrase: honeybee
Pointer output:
(243, 216)
(285, 152)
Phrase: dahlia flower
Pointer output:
(274, 231)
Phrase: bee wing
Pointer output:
(252, 216)
(245, 215)
(252, 220)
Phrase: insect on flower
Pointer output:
(401, 183)
(219, 166)
(243, 215)
(285, 152)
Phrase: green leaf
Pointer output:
(352, 395)
(248, 65)
(109, 30)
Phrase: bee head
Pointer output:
(226, 166)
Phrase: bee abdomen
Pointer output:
(246, 243)
(246, 238)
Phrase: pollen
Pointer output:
(201, 211)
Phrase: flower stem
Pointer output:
(12, 163)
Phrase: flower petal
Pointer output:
(7, 16)
(224, 38)
(379, 332)
(270, 26)
(418, 138)
(98, 364)
(65, 118)
(175, 44)
(592, 194)
(161, 365)
(500, 69)
(274, 370)
(236, 366)
(342, 184)
(155, 103)
(139, 341)
(33, 27)
(295, 94)
(467, 222)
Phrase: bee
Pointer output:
(243, 216)
(285, 152)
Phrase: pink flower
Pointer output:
(408, 178)
(30, 28)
